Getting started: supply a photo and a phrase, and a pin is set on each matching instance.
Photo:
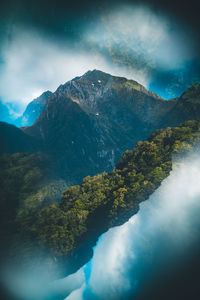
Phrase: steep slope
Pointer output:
(91, 120)
(26, 185)
(33, 110)
(187, 107)
(13, 139)
(69, 230)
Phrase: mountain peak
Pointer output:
(42, 98)
(100, 76)
(96, 74)
(96, 90)
(99, 79)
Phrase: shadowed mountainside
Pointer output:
(33, 110)
(91, 120)
(13, 140)
(84, 128)
(70, 229)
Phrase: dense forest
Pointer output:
(26, 185)
(100, 116)
(107, 199)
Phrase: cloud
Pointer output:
(33, 64)
(140, 31)
(166, 227)
(131, 41)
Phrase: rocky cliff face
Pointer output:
(84, 128)
(91, 120)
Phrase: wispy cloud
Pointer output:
(33, 64)
(131, 41)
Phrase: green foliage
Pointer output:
(26, 185)
(109, 199)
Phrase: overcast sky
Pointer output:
(46, 43)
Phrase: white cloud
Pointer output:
(165, 228)
(33, 64)
(142, 32)
(166, 225)
(141, 40)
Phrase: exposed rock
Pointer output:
(91, 120)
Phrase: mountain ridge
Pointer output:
(79, 142)
(94, 118)
(33, 110)
(94, 78)
(70, 229)
(89, 121)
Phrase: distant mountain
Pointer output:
(91, 120)
(33, 110)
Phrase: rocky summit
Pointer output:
(88, 122)
(83, 129)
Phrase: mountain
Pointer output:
(13, 140)
(33, 110)
(84, 129)
(27, 184)
(91, 120)
(186, 107)
(70, 229)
